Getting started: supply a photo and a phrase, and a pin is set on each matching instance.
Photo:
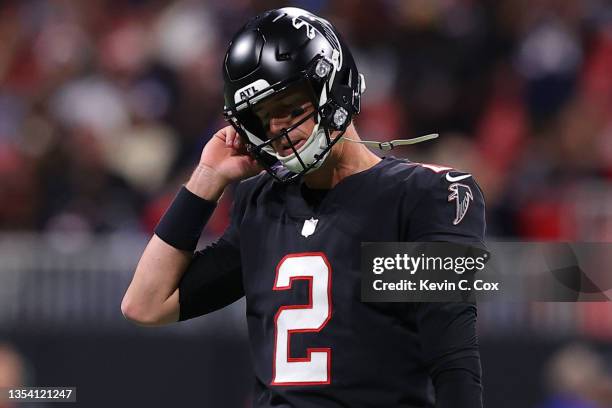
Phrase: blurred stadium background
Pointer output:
(105, 106)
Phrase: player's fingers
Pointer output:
(219, 136)
(230, 137)
(223, 133)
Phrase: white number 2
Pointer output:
(315, 368)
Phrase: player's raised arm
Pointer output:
(153, 297)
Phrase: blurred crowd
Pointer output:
(105, 105)
(13, 372)
(577, 376)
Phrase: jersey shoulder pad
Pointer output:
(445, 202)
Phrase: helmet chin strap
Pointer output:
(390, 145)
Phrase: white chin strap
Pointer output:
(314, 146)
(318, 142)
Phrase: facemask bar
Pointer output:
(248, 118)
(323, 116)
(309, 74)
(280, 173)
(266, 159)
(266, 144)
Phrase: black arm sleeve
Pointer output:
(213, 278)
(458, 385)
(450, 346)
(448, 330)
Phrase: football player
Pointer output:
(292, 249)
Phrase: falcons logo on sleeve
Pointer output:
(462, 195)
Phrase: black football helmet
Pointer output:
(273, 53)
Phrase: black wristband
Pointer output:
(183, 222)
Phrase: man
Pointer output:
(291, 91)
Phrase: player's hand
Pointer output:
(227, 155)
(224, 160)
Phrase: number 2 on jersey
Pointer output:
(315, 367)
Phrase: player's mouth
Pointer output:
(284, 148)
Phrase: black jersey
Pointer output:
(297, 261)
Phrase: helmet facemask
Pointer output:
(250, 117)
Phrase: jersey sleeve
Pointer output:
(447, 331)
(449, 207)
(213, 278)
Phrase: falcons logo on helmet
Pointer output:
(462, 195)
